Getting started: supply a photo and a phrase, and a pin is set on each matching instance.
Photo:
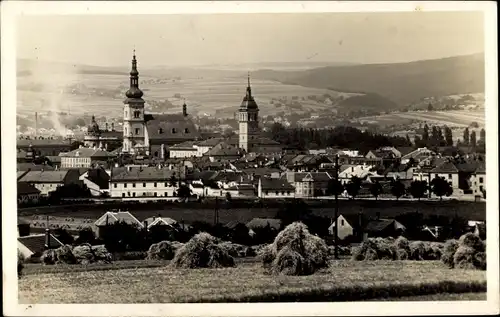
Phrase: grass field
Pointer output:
(459, 118)
(343, 281)
(439, 297)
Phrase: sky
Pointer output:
(184, 40)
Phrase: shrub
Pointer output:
(202, 251)
(449, 249)
(295, 251)
(134, 255)
(161, 251)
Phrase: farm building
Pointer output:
(34, 245)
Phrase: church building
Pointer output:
(150, 134)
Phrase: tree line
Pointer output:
(340, 136)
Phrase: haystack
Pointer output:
(295, 251)
(449, 249)
(466, 253)
(86, 254)
(202, 251)
(161, 251)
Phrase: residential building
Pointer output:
(275, 188)
(347, 172)
(34, 245)
(223, 152)
(85, 157)
(134, 182)
(96, 180)
(112, 217)
(48, 181)
(417, 155)
(309, 184)
(43, 146)
(448, 171)
(27, 193)
(478, 180)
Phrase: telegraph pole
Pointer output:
(336, 233)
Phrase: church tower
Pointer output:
(135, 139)
(248, 121)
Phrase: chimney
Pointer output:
(184, 110)
(47, 239)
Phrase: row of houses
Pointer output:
(253, 175)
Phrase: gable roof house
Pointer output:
(112, 217)
(130, 182)
(27, 193)
(34, 245)
(223, 152)
(275, 188)
(48, 181)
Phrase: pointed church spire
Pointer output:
(134, 91)
(249, 89)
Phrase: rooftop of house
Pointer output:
(159, 221)
(141, 173)
(445, 168)
(43, 142)
(377, 225)
(223, 149)
(87, 152)
(111, 217)
(36, 243)
(171, 126)
(275, 184)
(24, 188)
(45, 176)
(24, 167)
(257, 223)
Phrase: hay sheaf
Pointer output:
(20, 263)
(161, 251)
(202, 251)
(237, 250)
(295, 251)
(466, 253)
(86, 254)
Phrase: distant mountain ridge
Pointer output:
(402, 83)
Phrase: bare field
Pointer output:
(203, 95)
(457, 118)
(343, 280)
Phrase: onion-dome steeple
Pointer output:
(93, 128)
(248, 101)
(134, 92)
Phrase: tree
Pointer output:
(448, 136)
(466, 136)
(86, 235)
(440, 187)
(473, 139)
(474, 124)
(418, 189)
(397, 188)
(482, 136)
(184, 191)
(334, 187)
(376, 189)
(228, 196)
(408, 139)
(430, 107)
(425, 135)
(173, 181)
(441, 139)
(75, 145)
(353, 187)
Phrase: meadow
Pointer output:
(248, 282)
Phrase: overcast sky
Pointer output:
(175, 40)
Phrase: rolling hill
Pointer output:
(402, 83)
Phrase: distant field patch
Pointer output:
(343, 281)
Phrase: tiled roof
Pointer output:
(446, 167)
(141, 173)
(184, 146)
(257, 223)
(173, 126)
(99, 177)
(54, 158)
(26, 189)
(33, 167)
(87, 152)
(315, 177)
(275, 184)
(43, 142)
(381, 224)
(45, 176)
(36, 243)
(120, 216)
(223, 149)
(209, 142)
